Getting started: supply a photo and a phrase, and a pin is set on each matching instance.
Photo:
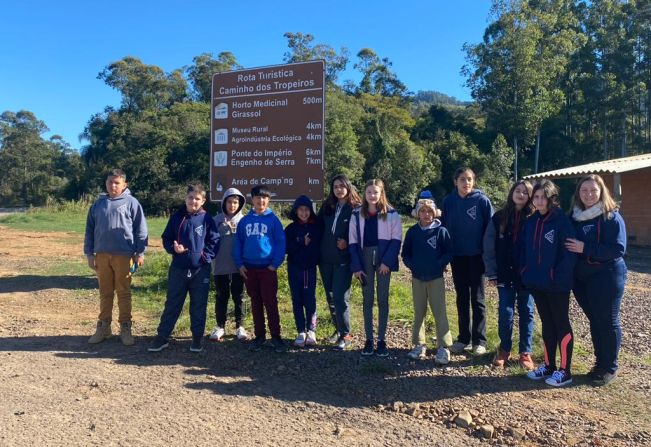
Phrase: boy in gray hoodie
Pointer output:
(228, 281)
(114, 244)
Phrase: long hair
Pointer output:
(604, 197)
(383, 206)
(352, 197)
(509, 210)
(551, 193)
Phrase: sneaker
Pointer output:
(217, 334)
(501, 358)
(197, 344)
(479, 350)
(368, 348)
(256, 344)
(311, 338)
(381, 350)
(418, 352)
(603, 379)
(442, 356)
(526, 362)
(458, 347)
(334, 337)
(343, 343)
(300, 340)
(559, 378)
(241, 334)
(540, 373)
(158, 344)
(278, 344)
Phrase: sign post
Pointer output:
(267, 127)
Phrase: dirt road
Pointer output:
(56, 389)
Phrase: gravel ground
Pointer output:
(58, 390)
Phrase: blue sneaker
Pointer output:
(559, 378)
(542, 372)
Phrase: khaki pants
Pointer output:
(114, 277)
(432, 292)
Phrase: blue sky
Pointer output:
(52, 51)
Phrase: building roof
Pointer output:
(616, 165)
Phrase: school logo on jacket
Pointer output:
(199, 230)
(122, 209)
(587, 228)
(550, 236)
(432, 242)
(256, 229)
(472, 212)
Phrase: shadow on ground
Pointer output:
(343, 379)
(34, 283)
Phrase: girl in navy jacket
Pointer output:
(302, 241)
(466, 213)
(500, 258)
(600, 272)
(547, 270)
(375, 235)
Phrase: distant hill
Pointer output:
(431, 97)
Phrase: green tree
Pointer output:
(204, 67)
(302, 48)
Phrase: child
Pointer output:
(466, 213)
(547, 269)
(258, 251)
(228, 281)
(116, 237)
(500, 255)
(191, 237)
(334, 217)
(426, 251)
(303, 237)
(600, 272)
(375, 235)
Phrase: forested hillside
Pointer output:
(554, 82)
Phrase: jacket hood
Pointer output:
(124, 194)
(233, 192)
(302, 201)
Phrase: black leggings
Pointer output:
(554, 312)
(228, 286)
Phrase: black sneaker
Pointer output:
(603, 379)
(278, 344)
(197, 344)
(256, 344)
(381, 350)
(368, 348)
(158, 344)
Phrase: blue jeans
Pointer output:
(179, 283)
(508, 297)
(600, 297)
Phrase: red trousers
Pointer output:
(262, 287)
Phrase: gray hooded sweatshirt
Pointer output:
(116, 226)
(223, 263)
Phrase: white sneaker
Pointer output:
(311, 338)
(300, 340)
(333, 338)
(418, 352)
(458, 347)
(479, 350)
(442, 356)
(241, 334)
(217, 334)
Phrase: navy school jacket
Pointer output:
(426, 251)
(466, 219)
(500, 249)
(604, 243)
(197, 233)
(545, 264)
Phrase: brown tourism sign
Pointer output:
(267, 128)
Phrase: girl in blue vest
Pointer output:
(600, 272)
(375, 236)
(500, 256)
(547, 269)
(466, 213)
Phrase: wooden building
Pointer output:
(629, 179)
